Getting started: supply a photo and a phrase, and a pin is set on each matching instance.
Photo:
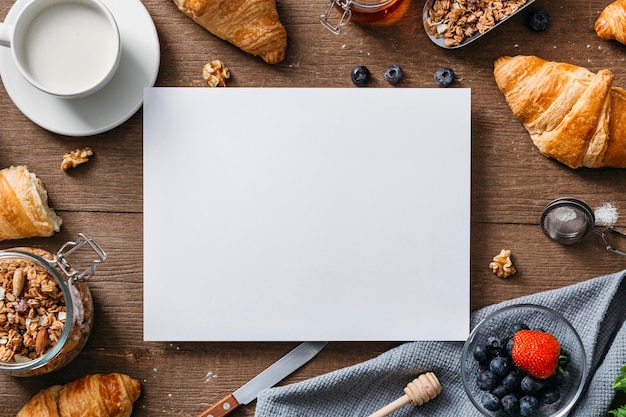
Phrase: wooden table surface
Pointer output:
(511, 183)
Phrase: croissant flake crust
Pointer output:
(93, 395)
(572, 114)
(24, 210)
(611, 24)
(252, 25)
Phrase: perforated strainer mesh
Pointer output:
(567, 221)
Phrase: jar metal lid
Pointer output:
(69, 248)
(346, 15)
(346, 7)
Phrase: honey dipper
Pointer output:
(419, 391)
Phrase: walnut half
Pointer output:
(215, 73)
(75, 158)
(502, 265)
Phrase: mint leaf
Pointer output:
(620, 412)
(620, 381)
(619, 384)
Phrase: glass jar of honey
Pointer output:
(362, 11)
(46, 309)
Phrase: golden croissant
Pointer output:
(572, 114)
(95, 395)
(24, 210)
(251, 25)
(611, 24)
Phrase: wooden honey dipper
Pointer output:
(419, 391)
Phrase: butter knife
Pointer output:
(279, 370)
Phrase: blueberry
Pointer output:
(509, 346)
(360, 75)
(481, 354)
(519, 326)
(532, 385)
(490, 401)
(551, 396)
(512, 381)
(486, 381)
(556, 380)
(538, 20)
(510, 404)
(500, 366)
(393, 74)
(499, 391)
(528, 405)
(493, 346)
(444, 77)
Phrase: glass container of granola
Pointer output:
(46, 309)
(454, 24)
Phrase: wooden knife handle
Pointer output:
(221, 408)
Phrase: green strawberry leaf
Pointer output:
(563, 361)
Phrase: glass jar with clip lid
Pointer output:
(363, 11)
(46, 309)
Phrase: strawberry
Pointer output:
(536, 353)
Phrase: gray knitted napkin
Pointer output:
(596, 308)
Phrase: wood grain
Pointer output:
(511, 183)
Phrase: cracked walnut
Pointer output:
(502, 265)
(215, 73)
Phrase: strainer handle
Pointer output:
(604, 235)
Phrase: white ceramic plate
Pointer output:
(109, 107)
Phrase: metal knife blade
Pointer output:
(279, 370)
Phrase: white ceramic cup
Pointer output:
(66, 48)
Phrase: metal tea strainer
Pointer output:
(569, 220)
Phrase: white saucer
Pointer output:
(116, 102)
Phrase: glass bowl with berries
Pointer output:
(524, 360)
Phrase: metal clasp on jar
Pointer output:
(345, 16)
(69, 248)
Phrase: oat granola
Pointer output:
(456, 20)
(32, 310)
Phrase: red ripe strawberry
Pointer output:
(536, 353)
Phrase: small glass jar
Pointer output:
(46, 309)
(362, 11)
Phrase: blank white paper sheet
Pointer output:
(282, 214)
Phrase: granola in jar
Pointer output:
(45, 319)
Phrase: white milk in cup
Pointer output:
(66, 48)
